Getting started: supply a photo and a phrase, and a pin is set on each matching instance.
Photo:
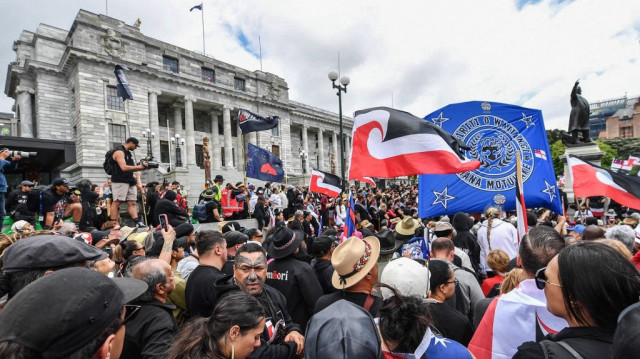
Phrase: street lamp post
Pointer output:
(179, 142)
(344, 81)
(149, 135)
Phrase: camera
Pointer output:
(151, 164)
(23, 154)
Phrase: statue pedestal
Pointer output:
(586, 151)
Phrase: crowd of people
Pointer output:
(299, 284)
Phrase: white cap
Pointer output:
(407, 276)
(17, 226)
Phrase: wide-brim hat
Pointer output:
(126, 232)
(208, 194)
(388, 243)
(284, 242)
(353, 259)
(365, 223)
(218, 178)
(408, 226)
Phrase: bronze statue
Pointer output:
(579, 118)
(206, 160)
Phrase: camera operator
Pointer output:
(124, 182)
(9, 163)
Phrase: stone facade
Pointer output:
(63, 84)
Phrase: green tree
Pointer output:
(609, 154)
(557, 149)
(625, 146)
(554, 135)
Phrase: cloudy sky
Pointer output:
(422, 55)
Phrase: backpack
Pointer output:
(200, 212)
(34, 200)
(109, 163)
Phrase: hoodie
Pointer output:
(503, 236)
(465, 240)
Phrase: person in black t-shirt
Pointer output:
(56, 204)
(17, 203)
(356, 272)
(200, 294)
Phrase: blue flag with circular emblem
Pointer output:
(494, 132)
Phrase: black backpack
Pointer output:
(109, 163)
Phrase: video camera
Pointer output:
(23, 154)
(150, 164)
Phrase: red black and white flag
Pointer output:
(590, 180)
(389, 143)
(521, 208)
(368, 180)
(323, 182)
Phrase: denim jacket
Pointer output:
(4, 164)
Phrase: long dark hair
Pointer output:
(199, 338)
(403, 320)
(609, 284)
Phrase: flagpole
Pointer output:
(204, 52)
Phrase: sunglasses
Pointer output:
(541, 279)
(130, 312)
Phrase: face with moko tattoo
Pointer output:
(250, 271)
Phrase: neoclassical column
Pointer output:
(26, 114)
(336, 154)
(320, 150)
(177, 128)
(305, 148)
(228, 144)
(154, 123)
(190, 131)
(216, 159)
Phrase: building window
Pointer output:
(170, 64)
(208, 75)
(276, 150)
(164, 151)
(238, 84)
(624, 122)
(222, 156)
(117, 135)
(626, 132)
(113, 101)
(276, 130)
(73, 99)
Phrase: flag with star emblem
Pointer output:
(250, 122)
(389, 143)
(493, 133)
(263, 165)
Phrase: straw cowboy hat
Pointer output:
(353, 259)
(408, 226)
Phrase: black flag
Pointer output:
(123, 87)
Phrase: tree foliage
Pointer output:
(557, 149)
(554, 135)
(609, 154)
(624, 146)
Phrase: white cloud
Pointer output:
(427, 53)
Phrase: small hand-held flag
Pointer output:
(197, 7)
(389, 143)
(521, 209)
(250, 122)
(123, 87)
(350, 223)
(326, 183)
(591, 180)
(263, 165)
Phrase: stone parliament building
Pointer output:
(66, 108)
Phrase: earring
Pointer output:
(233, 349)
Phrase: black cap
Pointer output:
(235, 237)
(48, 251)
(85, 301)
(60, 182)
(232, 226)
(132, 140)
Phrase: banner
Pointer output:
(250, 122)
(493, 132)
(263, 165)
(326, 183)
